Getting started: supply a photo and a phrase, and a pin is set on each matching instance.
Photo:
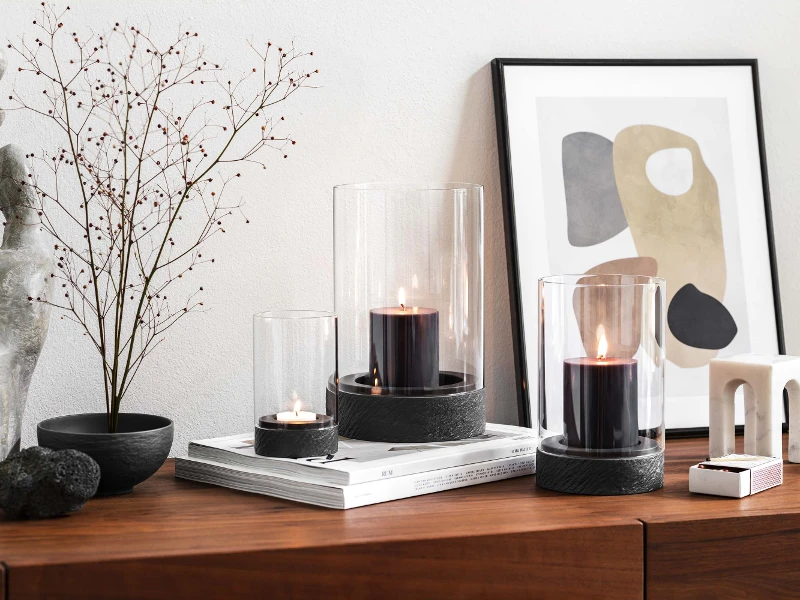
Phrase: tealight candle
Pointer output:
(295, 384)
(296, 415)
(295, 419)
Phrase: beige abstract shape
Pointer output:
(636, 265)
(683, 233)
(615, 309)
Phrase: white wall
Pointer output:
(406, 95)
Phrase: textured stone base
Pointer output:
(296, 443)
(600, 476)
(418, 419)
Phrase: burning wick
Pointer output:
(602, 344)
(401, 299)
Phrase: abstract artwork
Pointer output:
(653, 180)
(644, 168)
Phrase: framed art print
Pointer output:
(642, 167)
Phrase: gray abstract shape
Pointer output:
(594, 210)
(38, 482)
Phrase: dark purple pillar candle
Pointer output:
(404, 347)
(601, 406)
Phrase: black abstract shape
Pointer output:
(594, 210)
(699, 320)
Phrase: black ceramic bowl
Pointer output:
(126, 458)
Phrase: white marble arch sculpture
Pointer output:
(764, 378)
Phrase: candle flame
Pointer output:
(376, 382)
(297, 408)
(602, 343)
(401, 298)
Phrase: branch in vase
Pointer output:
(151, 133)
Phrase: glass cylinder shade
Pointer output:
(295, 369)
(409, 288)
(601, 365)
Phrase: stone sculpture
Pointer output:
(38, 482)
(25, 266)
(764, 377)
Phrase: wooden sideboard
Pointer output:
(175, 539)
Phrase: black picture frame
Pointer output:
(509, 220)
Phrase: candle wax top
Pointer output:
(589, 361)
(273, 422)
(292, 416)
(409, 311)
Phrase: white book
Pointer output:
(351, 496)
(358, 461)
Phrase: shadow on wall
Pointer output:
(474, 159)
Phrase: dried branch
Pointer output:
(152, 134)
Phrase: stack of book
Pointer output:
(363, 473)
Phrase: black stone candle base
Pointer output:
(296, 443)
(606, 476)
(421, 419)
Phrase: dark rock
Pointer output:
(39, 482)
(699, 320)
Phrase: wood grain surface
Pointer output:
(177, 539)
(710, 547)
(585, 563)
